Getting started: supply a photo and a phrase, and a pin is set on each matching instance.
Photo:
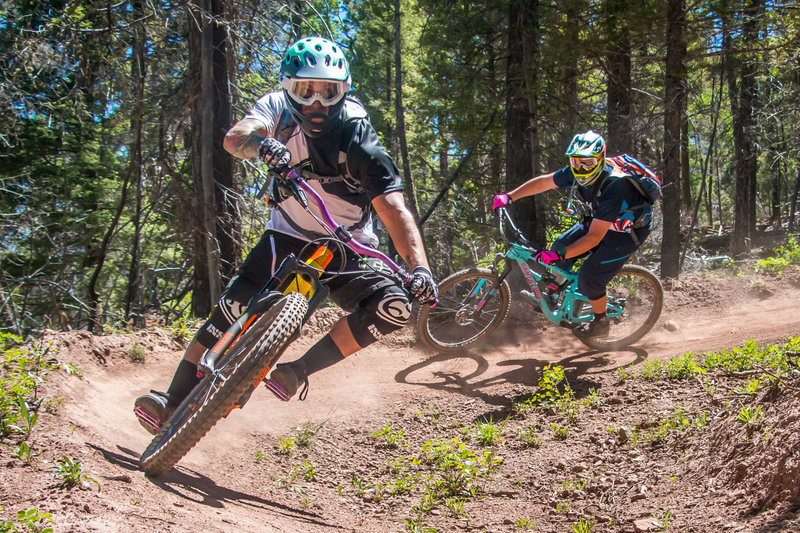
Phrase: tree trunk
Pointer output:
(793, 203)
(226, 191)
(744, 131)
(216, 234)
(618, 67)
(408, 181)
(571, 76)
(673, 92)
(775, 200)
(686, 182)
(134, 301)
(521, 132)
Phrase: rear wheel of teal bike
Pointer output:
(243, 364)
(635, 299)
(471, 306)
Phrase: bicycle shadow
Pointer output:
(473, 375)
(200, 489)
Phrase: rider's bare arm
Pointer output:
(597, 230)
(392, 210)
(243, 138)
(533, 186)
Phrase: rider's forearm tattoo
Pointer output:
(245, 145)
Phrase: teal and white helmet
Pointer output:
(587, 157)
(315, 70)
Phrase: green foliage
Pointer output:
(561, 431)
(527, 435)
(552, 387)
(137, 353)
(23, 369)
(390, 438)
(26, 417)
(289, 479)
(749, 416)
(785, 255)
(679, 423)
(583, 526)
(747, 357)
(305, 434)
(28, 521)
(524, 524)
(9, 340)
(72, 475)
(683, 367)
(24, 452)
(286, 445)
(487, 432)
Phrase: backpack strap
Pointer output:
(284, 127)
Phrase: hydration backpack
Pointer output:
(644, 179)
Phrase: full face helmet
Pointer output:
(587, 157)
(315, 70)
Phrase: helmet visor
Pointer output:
(306, 92)
(583, 165)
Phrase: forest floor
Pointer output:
(397, 438)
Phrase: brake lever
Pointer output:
(299, 194)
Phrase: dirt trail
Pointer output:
(218, 485)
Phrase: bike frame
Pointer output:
(281, 279)
(522, 252)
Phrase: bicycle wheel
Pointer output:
(635, 299)
(256, 350)
(471, 306)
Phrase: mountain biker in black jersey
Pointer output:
(314, 125)
(617, 223)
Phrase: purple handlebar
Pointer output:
(353, 244)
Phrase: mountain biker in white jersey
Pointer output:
(618, 223)
(313, 125)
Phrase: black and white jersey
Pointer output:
(348, 168)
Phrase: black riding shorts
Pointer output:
(364, 290)
(605, 260)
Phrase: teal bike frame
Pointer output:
(560, 301)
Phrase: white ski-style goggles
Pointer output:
(306, 92)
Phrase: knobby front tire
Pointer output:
(256, 350)
(456, 322)
(643, 300)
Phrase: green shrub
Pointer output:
(785, 255)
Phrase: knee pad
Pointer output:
(381, 314)
(224, 314)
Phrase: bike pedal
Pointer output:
(147, 418)
(277, 390)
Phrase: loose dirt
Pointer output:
(246, 476)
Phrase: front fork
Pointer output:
(495, 286)
(506, 268)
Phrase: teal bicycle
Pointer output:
(474, 302)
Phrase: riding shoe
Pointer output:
(531, 300)
(153, 410)
(284, 381)
(596, 329)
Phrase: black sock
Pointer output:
(320, 356)
(599, 316)
(183, 382)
